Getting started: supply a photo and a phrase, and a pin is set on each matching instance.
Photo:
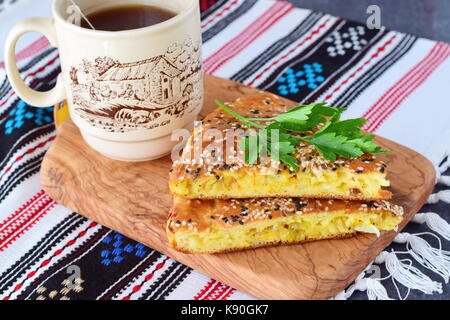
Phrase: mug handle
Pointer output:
(46, 27)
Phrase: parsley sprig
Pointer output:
(284, 132)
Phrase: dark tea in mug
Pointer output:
(127, 17)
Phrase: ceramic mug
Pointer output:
(127, 91)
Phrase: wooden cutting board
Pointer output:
(134, 199)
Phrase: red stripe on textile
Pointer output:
(203, 5)
(22, 208)
(230, 45)
(310, 37)
(375, 109)
(220, 292)
(28, 151)
(272, 16)
(34, 204)
(45, 262)
(250, 34)
(410, 89)
(219, 14)
(147, 277)
(228, 293)
(212, 291)
(25, 220)
(392, 98)
(361, 68)
(31, 74)
(202, 292)
(30, 50)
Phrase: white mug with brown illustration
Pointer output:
(127, 90)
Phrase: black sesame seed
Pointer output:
(212, 217)
(244, 214)
(304, 169)
(217, 177)
(225, 166)
(178, 222)
(367, 160)
(254, 111)
(299, 205)
(267, 210)
(382, 169)
(190, 220)
(334, 169)
(240, 222)
(359, 171)
(277, 207)
(244, 208)
(270, 217)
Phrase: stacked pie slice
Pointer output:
(222, 203)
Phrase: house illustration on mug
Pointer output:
(159, 77)
(122, 96)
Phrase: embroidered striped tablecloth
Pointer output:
(399, 82)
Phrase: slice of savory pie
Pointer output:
(211, 226)
(219, 171)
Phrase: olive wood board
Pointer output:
(134, 199)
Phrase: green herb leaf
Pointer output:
(335, 137)
(329, 145)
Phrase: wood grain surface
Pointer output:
(133, 198)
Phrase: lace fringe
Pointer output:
(402, 271)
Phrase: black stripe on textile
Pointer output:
(171, 277)
(26, 168)
(122, 284)
(325, 66)
(212, 9)
(39, 250)
(347, 66)
(29, 137)
(275, 49)
(40, 84)
(61, 264)
(378, 69)
(170, 288)
(23, 172)
(223, 23)
(5, 87)
(97, 274)
(302, 55)
(39, 118)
